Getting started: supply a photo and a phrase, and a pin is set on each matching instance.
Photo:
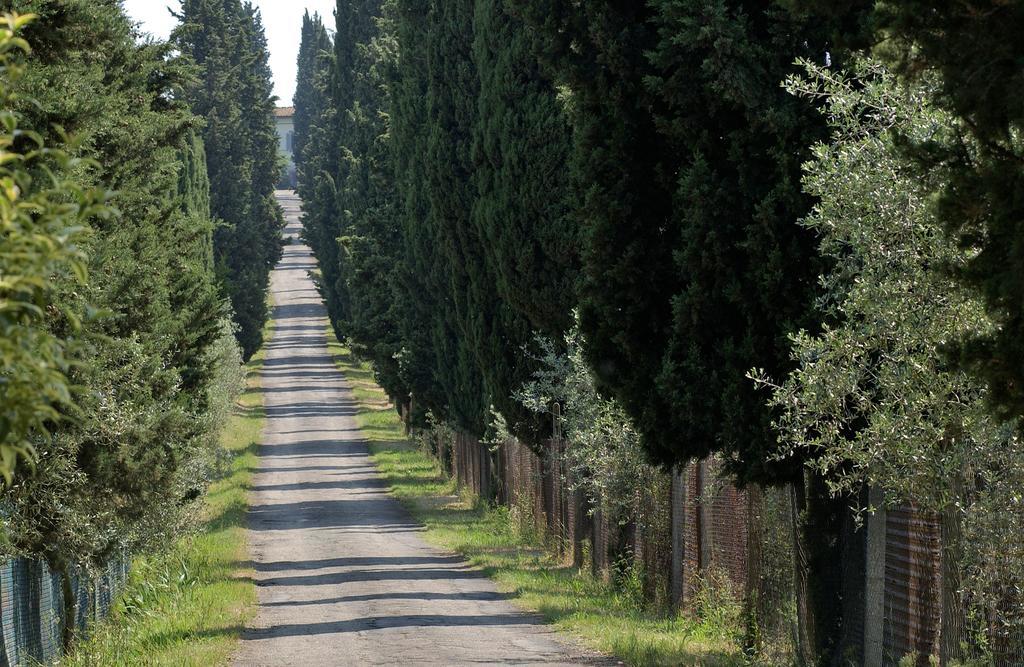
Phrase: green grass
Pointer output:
(606, 619)
(189, 606)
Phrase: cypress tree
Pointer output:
(309, 97)
(119, 475)
(355, 125)
(620, 160)
(452, 89)
(324, 174)
(370, 238)
(524, 270)
(233, 95)
(695, 271)
(195, 294)
(313, 111)
(316, 168)
(430, 277)
(419, 289)
(347, 181)
(747, 272)
(260, 232)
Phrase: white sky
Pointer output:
(282, 20)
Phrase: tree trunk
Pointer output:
(70, 607)
(805, 640)
(599, 548)
(705, 552)
(583, 528)
(954, 623)
(874, 606)
(818, 540)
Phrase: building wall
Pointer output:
(286, 137)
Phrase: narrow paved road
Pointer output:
(343, 575)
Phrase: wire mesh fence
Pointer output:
(693, 529)
(32, 607)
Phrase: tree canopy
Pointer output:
(130, 296)
(233, 93)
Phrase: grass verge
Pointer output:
(606, 619)
(188, 606)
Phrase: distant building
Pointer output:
(284, 118)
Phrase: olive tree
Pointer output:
(875, 397)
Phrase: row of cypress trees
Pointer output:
(443, 274)
(160, 200)
(234, 95)
(481, 168)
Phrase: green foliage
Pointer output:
(873, 389)
(874, 398)
(310, 99)
(688, 154)
(976, 50)
(152, 376)
(603, 449)
(321, 175)
(44, 217)
(523, 270)
(234, 95)
(972, 53)
(436, 201)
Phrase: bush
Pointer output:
(44, 217)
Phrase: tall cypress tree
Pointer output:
(452, 89)
(746, 272)
(357, 124)
(598, 50)
(346, 179)
(313, 111)
(233, 95)
(309, 97)
(195, 296)
(524, 270)
(419, 289)
(371, 239)
(317, 167)
(695, 271)
(325, 173)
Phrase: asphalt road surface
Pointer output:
(343, 574)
